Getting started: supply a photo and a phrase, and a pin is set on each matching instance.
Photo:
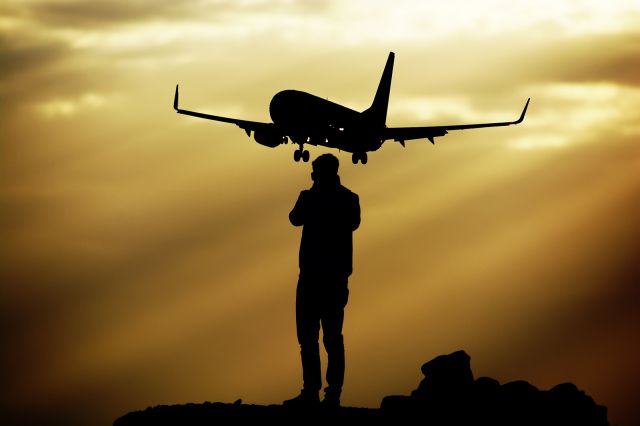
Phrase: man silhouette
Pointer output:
(328, 213)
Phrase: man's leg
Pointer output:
(334, 344)
(308, 331)
(332, 321)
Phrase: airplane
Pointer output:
(308, 119)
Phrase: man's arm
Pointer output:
(298, 214)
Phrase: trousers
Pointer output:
(320, 301)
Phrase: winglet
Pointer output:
(524, 111)
(175, 99)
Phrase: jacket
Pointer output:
(328, 213)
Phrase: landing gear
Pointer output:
(359, 156)
(301, 154)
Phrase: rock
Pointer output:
(444, 393)
(448, 395)
(447, 377)
(397, 403)
(484, 402)
(519, 402)
(572, 406)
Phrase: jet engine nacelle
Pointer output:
(269, 138)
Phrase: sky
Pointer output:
(147, 257)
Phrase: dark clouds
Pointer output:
(24, 58)
(611, 58)
(43, 62)
(105, 13)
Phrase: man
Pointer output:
(328, 213)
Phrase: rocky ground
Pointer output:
(448, 395)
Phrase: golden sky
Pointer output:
(147, 257)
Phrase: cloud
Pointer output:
(82, 14)
(102, 13)
(602, 58)
(77, 54)
(565, 114)
(490, 65)
(538, 142)
(68, 107)
(19, 59)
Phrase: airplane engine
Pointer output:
(269, 138)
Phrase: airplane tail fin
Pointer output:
(378, 109)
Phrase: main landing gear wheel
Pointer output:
(301, 155)
(359, 156)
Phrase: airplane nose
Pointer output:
(278, 105)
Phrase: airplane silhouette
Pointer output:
(308, 119)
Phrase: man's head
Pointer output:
(325, 168)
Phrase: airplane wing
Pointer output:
(402, 134)
(247, 126)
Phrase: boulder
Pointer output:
(448, 395)
(446, 377)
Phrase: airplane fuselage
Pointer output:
(309, 119)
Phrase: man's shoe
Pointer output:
(330, 402)
(304, 400)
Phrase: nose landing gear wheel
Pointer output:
(305, 156)
(296, 155)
